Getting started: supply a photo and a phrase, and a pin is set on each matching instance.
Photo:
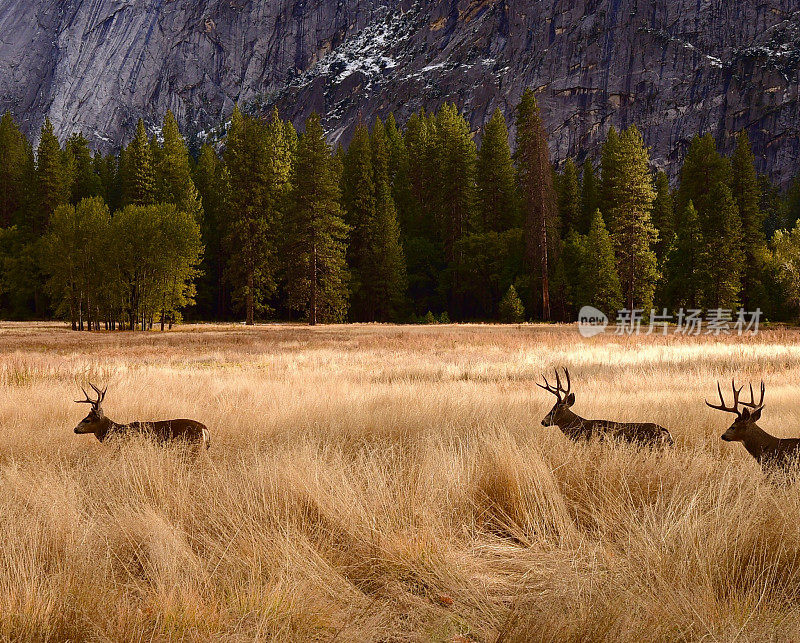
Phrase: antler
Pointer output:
(752, 403)
(722, 407)
(558, 389)
(100, 396)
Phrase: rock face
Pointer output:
(673, 67)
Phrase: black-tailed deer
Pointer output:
(768, 450)
(189, 431)
(577, 428)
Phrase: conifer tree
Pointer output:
(535, 177)
(663, 217)
(358, 200)
(453, 182)
(85, 182)
(590, 198)
(13, 157)
(684, 264)
(315, 232)
(210, 178)
(611, 177)
(496, 187)
(705, 181)
(173, 177)
(53, 180)
(388, 280)
(511, 309)
(569, 204)
(747, 193)
(628, 194)
(600, 278)
(139, 170)
(258, 161)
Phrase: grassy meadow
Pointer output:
(380, 483)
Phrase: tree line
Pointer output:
(407, 224)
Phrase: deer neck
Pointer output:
(107, 427)
(568, 419)
(758, 441)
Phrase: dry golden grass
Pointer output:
(391, 483)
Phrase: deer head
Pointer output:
(746, 418)
(95, 420)
(560, 413)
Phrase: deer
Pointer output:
(770, 452)
(577, 428)
(164, 432)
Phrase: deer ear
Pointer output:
(745, 414)
(570, 399)
(756, 415)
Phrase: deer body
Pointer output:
(165, 431)
(577, 428)
(770, 452)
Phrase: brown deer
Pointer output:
(769, 451)
(165, 431)
(577, 428)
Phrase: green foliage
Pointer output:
(600, 280)
(569, 200)
(173, 176)
(496, 190)
(511, 309)
(13, 160)
(786, 261)
(139, 178)
(746, 190)
(429, 318)
(663, 216)
(315, 232)
(538, 198)
(685, 262)
(705, 181)
(628, 197)
(53, 178)
(258, 159)
(590, 197)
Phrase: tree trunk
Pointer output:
(250, 304)
(312, 313)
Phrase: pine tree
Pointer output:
(496, 189)
(358, 201)
(684, 264)
(535, 177)
(173, 176)
(511, 309)
(389, 281)
(705, 181)
(628, 195)
(569, 204)
(590, 199)
(84, 180)
(747, 193)
(612, 179)
(663, 217)
(453, 182)
(315, 232)
(52, 178)
(13, 157)
(258, 161)
(139, 170)
(600, 278)
(210, 178)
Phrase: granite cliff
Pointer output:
(674, 67)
